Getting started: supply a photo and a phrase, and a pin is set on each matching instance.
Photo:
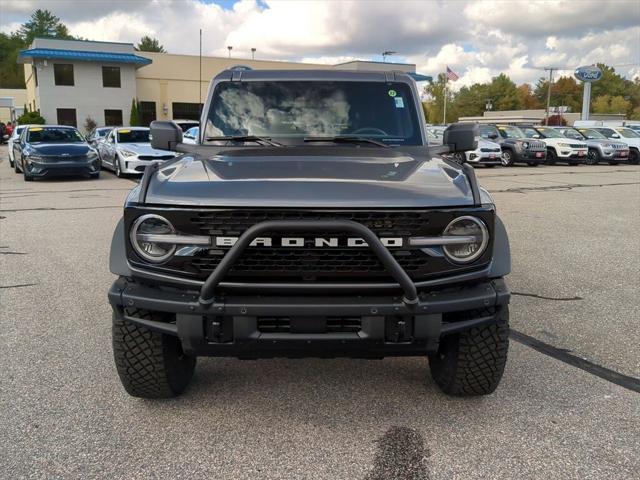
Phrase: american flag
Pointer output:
(451, 75)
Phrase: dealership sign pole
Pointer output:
(587, 75)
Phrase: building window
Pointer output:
(67, 116)
(186, 111)
(111, 77)
(113, 118)
(147, 111)
(63, 74)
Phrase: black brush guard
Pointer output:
(216, 324)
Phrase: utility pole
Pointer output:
(253, 54)
(200, 74)
(550, 69)
(229, 48)
(444, 113)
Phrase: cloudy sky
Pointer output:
(477, 39)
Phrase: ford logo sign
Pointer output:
(588, 73)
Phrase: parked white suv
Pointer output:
(559, 147)
(626, 135)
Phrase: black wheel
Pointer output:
(507, 158)
(634, 157)
(471, 363)
(27, 177)
(552, 158)
(15, 167)
(116, 163)
(458, 157)
(593, 157)
(150, 364)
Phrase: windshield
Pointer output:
(298, 109)
(53, 135)
(133, 136)
(591, 133)
(550, 133)
(572, 133)
(487, 131)
(510, 132)
(103, 132)
(628, 133)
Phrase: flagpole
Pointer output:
(444, 115)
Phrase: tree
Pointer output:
(89, 124)
(134, 118)
(504, 93)
(611, 104)
(43, 23)
(31, 118)
(148, 44)
(555, 120)
(527, 98)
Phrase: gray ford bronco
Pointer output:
(311, 219)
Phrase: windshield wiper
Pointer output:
(244, 138)
(339, 139)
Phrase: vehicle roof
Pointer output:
(310, 75)
(52, 126)
(185, 120)
(122, 127)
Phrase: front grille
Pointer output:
(308, 263)
(61, 158)
(321, 325)
(620, 146)
(154, 157)
(537, 146)
(577, 145)
(489, 150)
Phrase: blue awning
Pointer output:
(84, 56)
(418, 77)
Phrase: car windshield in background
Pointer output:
(550, 133)
(53, 135)
(295, 110)
(133, 136)
(572, 133)
(628, 133)
(511, 132)
(487, 132)
(590, 133)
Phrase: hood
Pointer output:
(482, 143)
(142, 149)
(306, 177)
(634, 142)
(71, 149)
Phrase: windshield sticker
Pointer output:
(124, 131)
(392, 93)
(399, 102)
(36, 129)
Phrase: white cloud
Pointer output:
(478, 39)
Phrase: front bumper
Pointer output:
(51, 169)
(572, 155)
(133, 165)
(483, 158)
(530, 156)
(243, 326)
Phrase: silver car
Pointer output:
(488, 153)
(601, 148)
(127, 150)
(12, 139)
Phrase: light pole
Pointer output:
(387, 53)
(253, 54)
(229, 48)
(550, 69)
(489, 105)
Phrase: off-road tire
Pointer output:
(150, 364)
(634, 157)
(471, 363)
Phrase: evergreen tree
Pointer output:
(148, 44)
(134, 119)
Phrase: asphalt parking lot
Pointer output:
(575, 237)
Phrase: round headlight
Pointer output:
(466, 227)
(141, 234)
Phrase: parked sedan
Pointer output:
(49, 150)
(98, 135)
(13, 139)
(626, 135)
(601, 149)
(191, 135)
(127, 150)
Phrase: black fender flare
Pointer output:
(118, 255)
(501, 263)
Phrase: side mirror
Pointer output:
(165, 135)
(615, 135)
(461, 137)
(535, 136)
(493, 136)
